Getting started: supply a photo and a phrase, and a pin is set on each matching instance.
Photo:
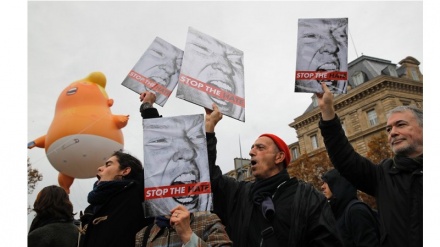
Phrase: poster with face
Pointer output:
(176, 165)
(156, 71)
(212, 72)
(322, 55)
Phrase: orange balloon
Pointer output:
(83, 133)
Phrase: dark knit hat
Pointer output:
(282, 146)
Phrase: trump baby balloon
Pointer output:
(83, 133)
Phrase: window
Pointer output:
(295, 153)
(358, 78)
(405, 102)
(314, 140)
(414, 75)
(343, 126)
(242, 173)
(372, 117)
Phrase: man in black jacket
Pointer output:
(355, 220)
(115, 213)
(275, 210)
(397, 183)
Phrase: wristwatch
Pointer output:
(145, 105)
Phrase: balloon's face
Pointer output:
(82, 93)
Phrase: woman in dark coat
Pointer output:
(53, 225)
(355, 220)
(115, 213)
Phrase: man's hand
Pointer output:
(212, 118)
(325, 103)
(147, 97)
(181, 219)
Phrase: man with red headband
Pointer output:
(275, 210)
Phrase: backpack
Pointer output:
(373, 212)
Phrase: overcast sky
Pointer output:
(68, 40)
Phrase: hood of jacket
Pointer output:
(342, 190)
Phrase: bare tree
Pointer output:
(33, 178)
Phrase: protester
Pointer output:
(354, 219)
(115, 213)
(180, 228)
(396, 183)
(53, 224)
(275, 210)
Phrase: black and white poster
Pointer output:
(176, 164)
(212, 72)
(322, 55)
(156, 71)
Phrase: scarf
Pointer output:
(262, 190)
(162, 221)
(408, 164)
(102, 191)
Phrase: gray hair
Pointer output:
(417, 112)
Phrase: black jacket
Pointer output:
(54, 234)
(117, 221)
(356, 224)
(302, 214)
(398, 191)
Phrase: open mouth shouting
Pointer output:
(160, 80)
(328, 67)
(224, 86)
(186, 178)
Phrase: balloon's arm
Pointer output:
(39, 142)
(120, 120)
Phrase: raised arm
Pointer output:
(212, 118)
(326, 103)
(360, 171)
(147, 110)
